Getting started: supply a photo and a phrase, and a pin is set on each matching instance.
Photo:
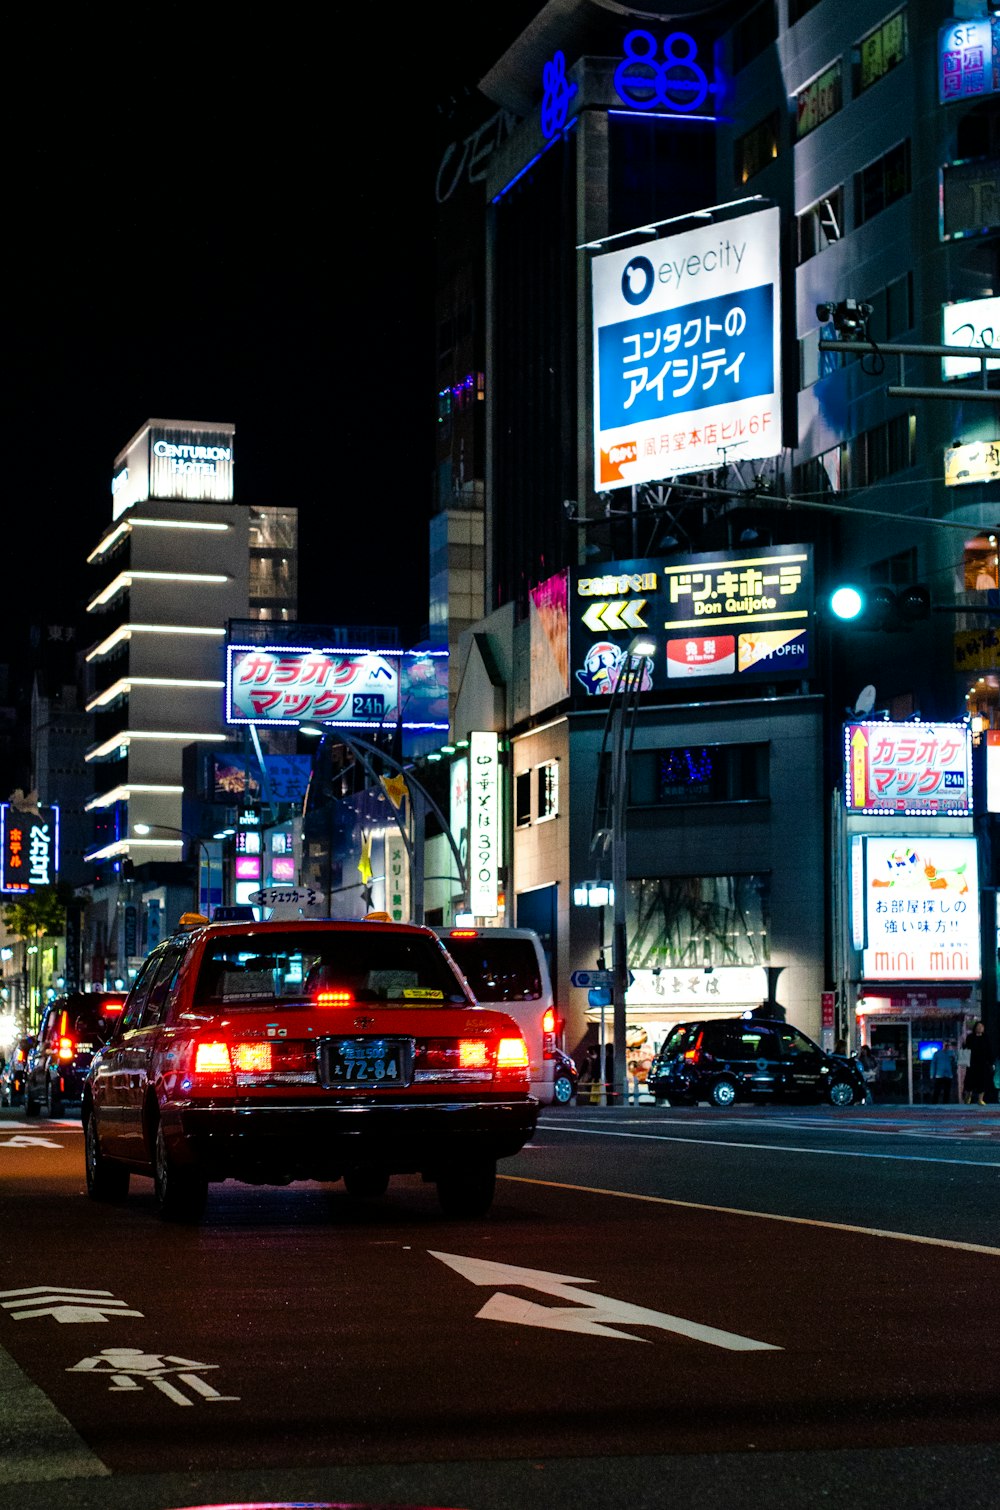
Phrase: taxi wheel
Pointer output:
(467, 1190)
(30, 1105)
(181, 1189)
(53, 1101)
(723, 1093)
(105, 1182)
(366, 1184)
(842, 1093)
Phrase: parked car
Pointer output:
(566, 1077)
(305, 1050)
(749, 1058)
(71, 1030)
(12, 1074)
(506, 969)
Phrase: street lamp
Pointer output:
(619, 735)
(145, 828)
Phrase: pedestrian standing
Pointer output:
(943, 1069)
(979, 1075)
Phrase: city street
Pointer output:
(665, 1305)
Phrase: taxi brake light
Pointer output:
(334, 998)
(549, 1021)
(252, 1057)
(212, 1059)
(473, 1054)
(66, 1048)
(512, 1054)
(464, 933)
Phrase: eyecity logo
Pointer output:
(637, 280)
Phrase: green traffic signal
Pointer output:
(880, 607)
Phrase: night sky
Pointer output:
(208, 221)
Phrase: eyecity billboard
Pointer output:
(293, 684)
(908, 770)
(687, 371)
(719, 614)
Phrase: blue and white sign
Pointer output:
(687, 371)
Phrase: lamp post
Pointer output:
(619, 734)
(145, 828)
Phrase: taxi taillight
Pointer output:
(512, 1054)
(67, 1048)
(334, 998)
(213, 1059)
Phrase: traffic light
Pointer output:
(884, 608)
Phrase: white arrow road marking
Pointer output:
(591, 1313)
(26, 1142)
(63, 1303)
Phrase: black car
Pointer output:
(565, 1076)
(13, 1072)
(71, 1031)
(749, 1058)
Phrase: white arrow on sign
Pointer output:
(21, 1140)
(592, 1314)
(67, 1304)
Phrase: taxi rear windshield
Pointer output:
(331, 969)
(498, 969)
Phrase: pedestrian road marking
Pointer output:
(129, 1368)
(23, 1141)
(588, 1313)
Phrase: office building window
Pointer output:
(820, 225)
(690, 922)
(878, 53)
(757, 148)
(882, 183)
(754, 33)
(979, 564)
(683, 775)
(522, 799)
(818, 100)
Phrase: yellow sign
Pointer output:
(602, 617)
(978, 462)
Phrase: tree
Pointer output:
(36, 915)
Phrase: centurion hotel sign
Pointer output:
(687, 371)
(170, 459)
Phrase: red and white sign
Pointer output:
(714, 655)
(908, 769)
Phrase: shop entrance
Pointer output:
(904, 1049)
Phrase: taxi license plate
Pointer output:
(366, 1061)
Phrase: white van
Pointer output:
(506, 969)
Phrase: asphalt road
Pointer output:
(665, 1306)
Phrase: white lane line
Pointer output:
(763, 1216)
(828, 1153)
(29, 1417)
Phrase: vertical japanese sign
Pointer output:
(30, 847)
(921, 909)
(908, 770)
(397, 877)
(484, 824)
(968, 59)
(687, 371)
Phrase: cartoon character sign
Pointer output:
(604, 664)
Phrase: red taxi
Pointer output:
(305, 1050)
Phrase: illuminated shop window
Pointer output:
(757, 148)
(878, 53)
(547, 788)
